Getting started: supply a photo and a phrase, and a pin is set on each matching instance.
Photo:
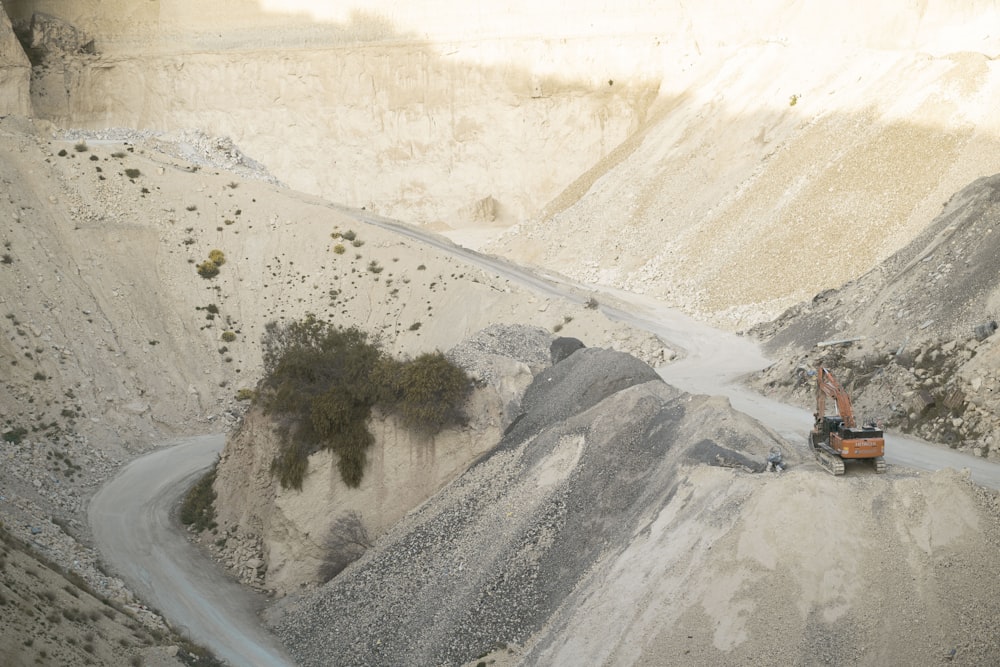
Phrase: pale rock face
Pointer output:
(15, 72)
(699, 154)
(404, 469)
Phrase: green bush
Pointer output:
(15, 435)
(321, 382)
(339, 249)
(228, 336)
(198, 509)
(217, 257)
(245, 394)
(132, 173)
(428, 392)
(208, 269)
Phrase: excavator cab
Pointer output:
(835, 438)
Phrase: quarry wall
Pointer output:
(15, 72)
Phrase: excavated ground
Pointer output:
(619, 519)
(927, 356)
(622, 522)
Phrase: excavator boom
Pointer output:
(828, 386)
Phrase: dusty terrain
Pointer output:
(620, 521)
(926, 318)
(49, 616)
(732, 168)
(708, 156)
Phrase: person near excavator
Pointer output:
(774, 461)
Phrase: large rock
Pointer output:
(44, 35)
(311, 534)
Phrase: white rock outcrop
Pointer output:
(15, 72)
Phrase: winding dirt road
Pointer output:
(134, 529)
(131, 515)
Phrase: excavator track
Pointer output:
(830, 462)
(879, 465)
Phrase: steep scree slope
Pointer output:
(927, 314)
(595, 533)
(494, 554)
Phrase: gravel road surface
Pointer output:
(131, 517)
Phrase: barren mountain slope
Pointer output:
(773, 174)
(620, 522)
(927, 315)
(112, 341)
(704, 154)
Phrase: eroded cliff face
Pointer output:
(15, 72)
(283, 539)
(706, 156)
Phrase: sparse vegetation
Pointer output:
(198, 509)
(208, 269)
(15, 435)
(246, 394)
(321, 382)
(591, 303)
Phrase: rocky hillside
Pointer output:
(51, 616)
(731, 167)
(281, 539)
(702, 155)
(622, 521)
(113, 342)
(927, 356)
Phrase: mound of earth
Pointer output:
(620, 521)
(486, 562)
(918, 351)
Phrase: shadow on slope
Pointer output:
(485, 563)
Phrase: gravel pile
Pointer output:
(477, 354)
(487, 561)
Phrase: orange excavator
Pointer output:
(836, 438)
